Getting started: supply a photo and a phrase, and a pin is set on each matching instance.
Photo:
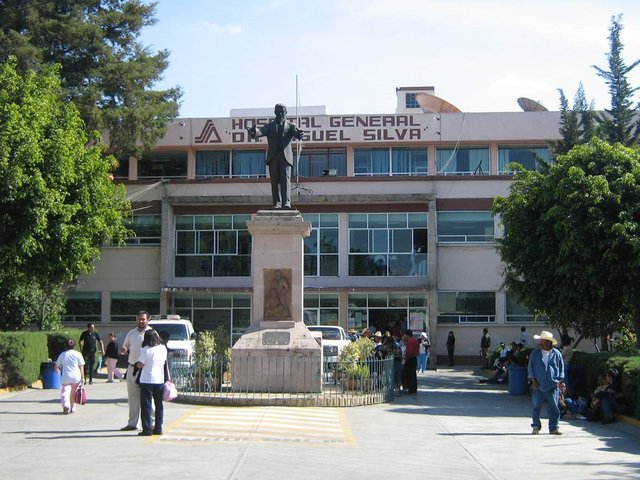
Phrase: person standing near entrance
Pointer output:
(280, 133)
(485, 347)
(410, 378)
(546, 373)
(132, 345)
(451, 346)
(88, 340)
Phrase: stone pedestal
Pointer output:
(277, 353)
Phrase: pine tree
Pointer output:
(617, 123)
(104, 69)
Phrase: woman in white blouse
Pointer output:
(71, 362)
(151, 362)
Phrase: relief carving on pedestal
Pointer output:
(277, 293)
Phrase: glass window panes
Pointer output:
(462, 161)
(387, 244)
(321, 246)
(213, 163)
(371, 161)
(83, 307)
(212, 246)
(248, 164)
(163, 165)
(466, 307)
(322, 162)
(528, 157)
(321, 309)
(410, 100)
(147, 229)
(125, 305)
(409, 161)
(466, 227)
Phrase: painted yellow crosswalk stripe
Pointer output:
(320, 426)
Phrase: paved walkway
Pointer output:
(454, 428)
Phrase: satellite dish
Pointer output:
(432, 104)
(529, 105)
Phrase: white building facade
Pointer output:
(401, 207)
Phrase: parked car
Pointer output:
(334, 339)
(182, 337)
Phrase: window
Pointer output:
(320, 162)
(465, 227)
(466, 307)
(393, 312)
(409, 161)
(410, 100)
(321, 247)
(163, 165)
(213, 164)
(462, 161)
(371, 161)
(122, 168)
(83, 307)
(518, 313)
(209, 311)
(321, 309)
(212, 246)
(387, 244)
(147, 230)
(528, 157)
(125, 305)
(248, 164)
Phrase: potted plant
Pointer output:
(204, 372)
(352, 366)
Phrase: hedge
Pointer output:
(21, 354)
(586, 369)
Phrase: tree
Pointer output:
(104, 69)
(576, 124)
(572, 239)
(58, 204)
(617, 124)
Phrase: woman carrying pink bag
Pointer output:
(71, 362)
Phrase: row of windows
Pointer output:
(232, 311)
(380, 244)
(333, 161)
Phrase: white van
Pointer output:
(182, 337)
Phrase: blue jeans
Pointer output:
(537, 399)
(610, 407)
(422, 362)
(149, 391)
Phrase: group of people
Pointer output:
(410, 354)
(147, 371)
(547, 374)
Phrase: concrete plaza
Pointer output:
(453, 428)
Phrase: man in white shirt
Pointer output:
(132, 345)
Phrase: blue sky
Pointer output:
(350, 55)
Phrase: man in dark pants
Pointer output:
(410, 379)
(88, 340)
(280, 133)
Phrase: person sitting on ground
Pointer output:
(608, 397)
(570, 407)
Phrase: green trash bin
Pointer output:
(50, 376)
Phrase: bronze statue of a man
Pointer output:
(280, 133)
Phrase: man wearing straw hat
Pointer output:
(546, 373)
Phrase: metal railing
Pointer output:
(341, 384)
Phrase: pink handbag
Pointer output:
(81, 394)
(169, 391)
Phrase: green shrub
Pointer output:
(22, 353)
(586, 369)
(204, 350)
